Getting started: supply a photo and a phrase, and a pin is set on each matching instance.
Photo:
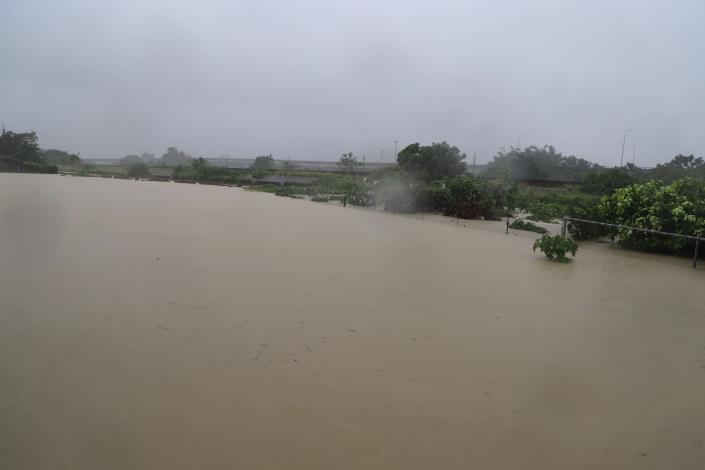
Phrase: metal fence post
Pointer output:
(695, 258)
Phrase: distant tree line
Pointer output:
(172, 157)
(60, 157)
(21, 152)
(534, 163)
(546, 164)
(428, 177)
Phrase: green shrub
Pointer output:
(520, 224)
(676, 208)
(545, 211)
(606, 182)
(584, 230)
(555, 247)
(319, 198)
(467, 197)
(358, 192)
(286, 192)
(552, 203)
(138, 170)
(26, 166)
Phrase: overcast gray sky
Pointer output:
(314, 79)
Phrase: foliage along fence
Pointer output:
(614, 229)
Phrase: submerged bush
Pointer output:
(286, 192)
(555, 247)
(520, 224)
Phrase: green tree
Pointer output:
(175, 157)
(605, 182)
(128, 160)
(686, 162)
(263, 162)
(680, 166)
(534, 163)
(678, 207)
(200, 167)
(468, 197)
(432, 162)
(555, 247)
(22, 146)
(348, 162)
(148, 158)
(200, 164)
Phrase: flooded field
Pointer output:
(150, 325)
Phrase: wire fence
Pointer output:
(695, 239)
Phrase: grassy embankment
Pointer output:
(14, 165)
(546, 203)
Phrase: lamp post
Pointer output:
(633, 154)
(624, 140)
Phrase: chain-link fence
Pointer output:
(567, 221)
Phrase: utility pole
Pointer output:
(633, 154)
(518, 139)
(473, 163)
(3, 128)
(381, 156)
(624, 140)
(395, 150)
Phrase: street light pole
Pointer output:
(633, 154)
(624, 140)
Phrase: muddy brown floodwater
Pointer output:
(150, 325)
